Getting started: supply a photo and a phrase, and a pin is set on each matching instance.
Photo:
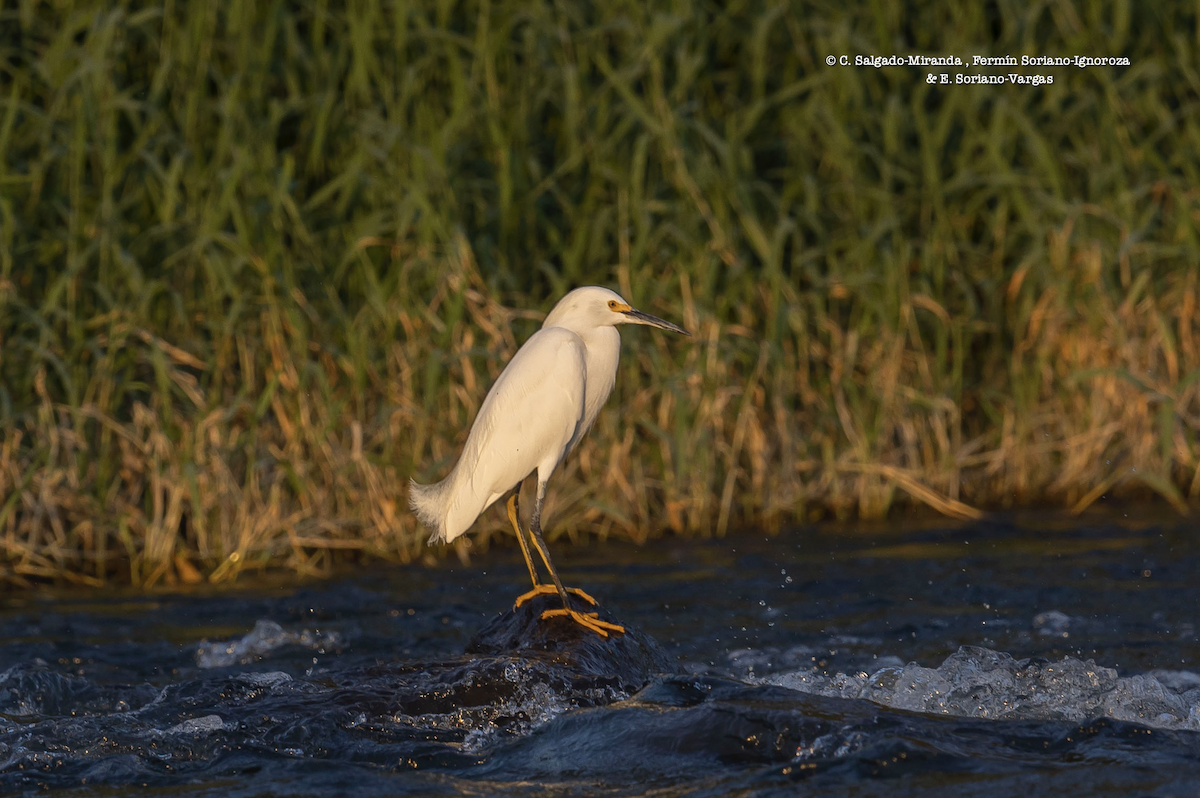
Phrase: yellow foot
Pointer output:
(590, 620)
(550, 590)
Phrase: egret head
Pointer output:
(592, 306)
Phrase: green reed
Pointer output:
(261, 262)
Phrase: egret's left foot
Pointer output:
(546, 590)
(589, 620)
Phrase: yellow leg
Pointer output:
(588, 620)
(545, 555)
(515, 519)
(539, 589)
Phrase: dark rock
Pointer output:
(517, 673)
(626, 661)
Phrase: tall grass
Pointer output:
(261, 261)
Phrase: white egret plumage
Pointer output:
(543, 402)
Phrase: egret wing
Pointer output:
(527, 419)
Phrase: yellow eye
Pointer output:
(612, 304)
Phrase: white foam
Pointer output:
(980, 683)
(199, 726)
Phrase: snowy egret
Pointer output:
(542, 403)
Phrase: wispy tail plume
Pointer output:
(428, 502)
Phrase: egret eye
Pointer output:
(612, 304)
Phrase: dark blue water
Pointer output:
(1020, 654)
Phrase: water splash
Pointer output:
(266, 637)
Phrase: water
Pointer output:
(1016, 654)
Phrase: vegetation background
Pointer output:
(260, 262)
